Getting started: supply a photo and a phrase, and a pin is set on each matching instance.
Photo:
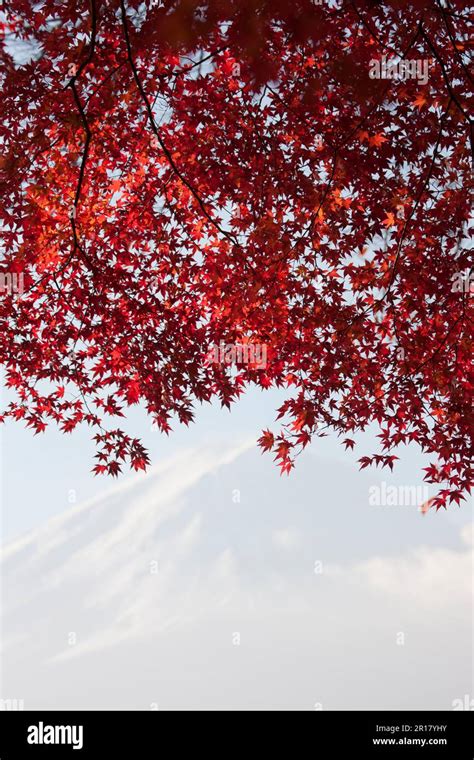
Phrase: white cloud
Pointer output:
(429, 577)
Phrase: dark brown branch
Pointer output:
(453, 43)
(158, 136)
(85, 154)
(449, 87)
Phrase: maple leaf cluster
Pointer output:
(182, 174)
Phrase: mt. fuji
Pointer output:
(212, 583)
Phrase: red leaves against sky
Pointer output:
(177, 175)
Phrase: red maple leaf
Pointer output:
(145, 259)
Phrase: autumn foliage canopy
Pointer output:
(178, 174)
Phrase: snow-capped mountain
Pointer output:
(211, 582)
